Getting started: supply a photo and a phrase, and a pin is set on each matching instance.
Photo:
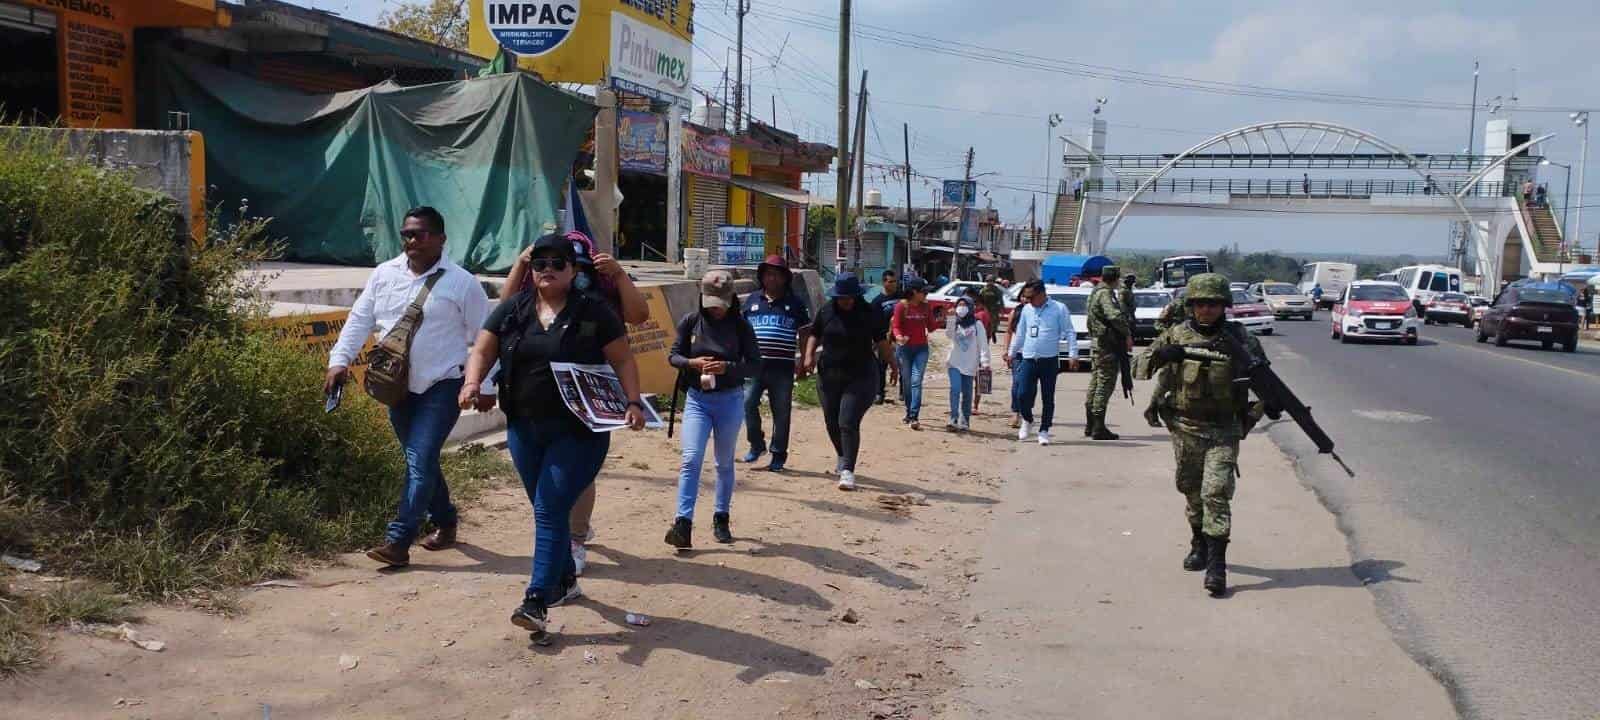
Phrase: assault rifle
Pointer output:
(1276, 397)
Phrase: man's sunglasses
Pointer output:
(543, 264)
(408, 234)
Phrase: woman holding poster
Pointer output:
(555, 452)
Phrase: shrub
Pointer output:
(148, 435)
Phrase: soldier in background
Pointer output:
(1112, 331)
(1209, 413)
(1172, 315)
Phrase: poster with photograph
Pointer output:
(595, 395)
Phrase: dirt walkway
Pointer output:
(749, 630)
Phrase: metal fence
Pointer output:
(1291, 188)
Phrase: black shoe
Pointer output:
(720, 529)
(678, 536)
(1196, 559)
(1088, 422)
(1216, 581)
(777, 463)
(1101, 432)
(754, 455)
(531, 616)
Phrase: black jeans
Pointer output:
(846, 397)
(883, 379)
(776, 378)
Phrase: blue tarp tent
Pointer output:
(1060, 269)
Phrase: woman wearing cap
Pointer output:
(717, 350)
(603, 278)
(849, 332)
(556, 454)
(969, 351)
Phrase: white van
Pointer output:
(1332, 276)
(1422, 282)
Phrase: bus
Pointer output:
(1175, 271)
(1332, 276)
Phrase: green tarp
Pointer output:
(337, 172)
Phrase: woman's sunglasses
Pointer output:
(543, 264)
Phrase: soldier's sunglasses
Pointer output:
(1206, 303)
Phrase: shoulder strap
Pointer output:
(413, 316)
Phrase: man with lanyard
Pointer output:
(782, 324)
(885, 303)
(1035, 356)
(454, 309)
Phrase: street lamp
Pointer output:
(1566, 198)
(1581, 119)
(1051, 121)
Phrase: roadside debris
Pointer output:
(349, 662)
(850, 616)
(23, 564)
(638, 620)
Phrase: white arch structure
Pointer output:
(1264, 135)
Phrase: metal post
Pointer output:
(1581, 118)
(738, 71)
(1472, 124)
(905, 134)
(961, 220)
(841, 193)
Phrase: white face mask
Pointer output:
(962, 310)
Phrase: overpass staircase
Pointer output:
(1063, 236)
(1546, 241)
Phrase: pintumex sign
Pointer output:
(649, 61)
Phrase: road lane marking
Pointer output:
(1393, 416)
(1473, 349)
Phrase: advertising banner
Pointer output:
(642, 142)
(650, 62)
(952, 191)
(707, 153)
(568, 40)
(530, 28)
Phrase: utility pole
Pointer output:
(961, 220)
(905, 133)
(841, 193)
(861, 146)
(738, 71)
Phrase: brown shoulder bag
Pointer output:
(388, 378)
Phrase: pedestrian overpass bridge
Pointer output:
(1358, 174)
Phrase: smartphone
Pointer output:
(330, 402)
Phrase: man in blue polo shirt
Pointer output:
(1034, 356)
(782, 323)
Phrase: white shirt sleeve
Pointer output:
(357, 325)
(474, 310)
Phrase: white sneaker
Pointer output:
(1044, 438)
(847, 480)
(580, 556)
(1022, 430)
(573, 593)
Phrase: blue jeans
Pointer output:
(1016, 384)
(960, 396)
(1038, 375)
(709, 416)
(422, 423)
(777, 380)
(557, 463)
(913, 361)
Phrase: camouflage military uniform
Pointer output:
(1204, 410)
(1111, 330)
(1172, 315)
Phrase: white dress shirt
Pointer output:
(451, 319)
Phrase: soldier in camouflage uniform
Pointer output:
(1172, 315)
(1209, 415)
(1112, 331)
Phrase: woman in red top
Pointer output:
(910, 325)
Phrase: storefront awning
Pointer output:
(783, 194)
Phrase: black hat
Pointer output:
(558, 243)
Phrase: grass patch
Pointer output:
(20, 648)
(82, 602)
(805, 392)
(474, 468)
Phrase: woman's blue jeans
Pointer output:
(715, 417)
(960, 397)
(557, 463)
(913, 362)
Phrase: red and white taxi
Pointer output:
(1253, 314)
(1375, 309)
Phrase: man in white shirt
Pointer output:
(1034, 355)
(451, 318)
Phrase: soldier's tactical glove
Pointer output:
(1170, 353)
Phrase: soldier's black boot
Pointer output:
(1101, 432)
(1216, 581)
(1088, 422)
(1196, 559)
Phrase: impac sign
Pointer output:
(530, 28)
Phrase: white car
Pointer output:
(1077, 301)
(1284, 300)
(945, 298)
(1147, 307)
(1375, 309)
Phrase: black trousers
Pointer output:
(776, 379)
(846, 397)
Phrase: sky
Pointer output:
(1541, 53)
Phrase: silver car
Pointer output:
(1284, 300)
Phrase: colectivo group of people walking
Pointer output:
(563, 302)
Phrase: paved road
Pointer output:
(1476, 514)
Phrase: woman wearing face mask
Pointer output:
(602, 278)
(969, 351)
(556, 454)
(718, 350)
